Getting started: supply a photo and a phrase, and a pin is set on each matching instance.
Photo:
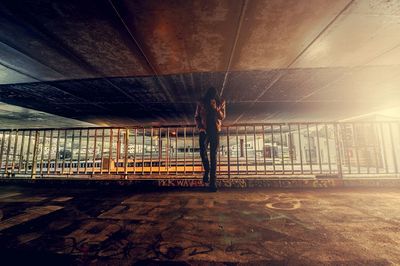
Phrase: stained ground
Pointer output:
(110, 226)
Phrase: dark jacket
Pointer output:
(201, 116)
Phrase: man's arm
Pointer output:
(221, 111)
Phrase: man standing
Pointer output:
(210, 112)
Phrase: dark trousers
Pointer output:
(211, 138)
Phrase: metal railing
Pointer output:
(245, 150)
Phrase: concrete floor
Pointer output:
(247, 227)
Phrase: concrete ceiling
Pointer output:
(128, 62)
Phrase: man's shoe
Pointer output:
(205, 178)
(213, 188)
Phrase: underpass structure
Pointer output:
(109, 88)
(99, 155)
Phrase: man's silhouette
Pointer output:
(210, 112)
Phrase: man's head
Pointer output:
(211, 93)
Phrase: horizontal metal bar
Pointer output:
(192, 125)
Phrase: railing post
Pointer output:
(237, 150)
(356, 147)
(255, 149)
(28, 152)
(49, 155)
(71, 170)
(327, 148)
(102, 151)
(134, 154)
(110, 152)
(143, 141)
(263, 150)
(167, 152)
(160, 145)
(20, 161)
(151, 150)
(57, 150)
(273, 149)
(193, 129)
(300, 149)
(126, 152)
(398, 126)
(282, 155)
(375, 143)
(309, 148)
(319, 149)
(337, 148)
(228, 150)
(42, 153)
(79, 150)
(2, 149)
(291, 145)
(393, 148)
(385, 159)
(176, 150)
(64, 151)
(184, 150)
(245, 149)
(14, 152)
(118, 150)
(34, 157)
(8, 151)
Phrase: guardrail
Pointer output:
(327, 148)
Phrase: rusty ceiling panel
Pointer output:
(36, 46)
(183, 36)
(87, 32)
(275, 32)
(363, 33)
